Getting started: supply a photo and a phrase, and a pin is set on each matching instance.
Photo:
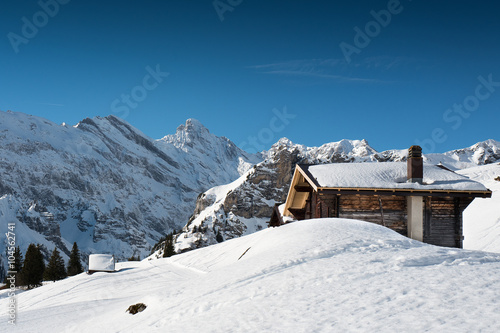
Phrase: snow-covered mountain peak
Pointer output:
(194, 124)
(343, 150)
(193, 128)
(359, 148)
(283, 144)
(484, 152)
(191, 134)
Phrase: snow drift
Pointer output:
(482, 217)
(317, 275)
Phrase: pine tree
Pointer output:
(55, 269)
(74, 263)
(169, 249)
(219, 237)
(17, 266)
(33, 267)
(134, 258)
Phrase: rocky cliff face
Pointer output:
(245, 205)
(104, 184)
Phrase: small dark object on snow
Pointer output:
(498, 179)
(244, 253)
(139, 307)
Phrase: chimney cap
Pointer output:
(414, 151)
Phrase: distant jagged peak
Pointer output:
(490, 143)
(282, 144)
(483, 152)
(194, 136)
(189, 133)
(194, 124)
(193, 127)
(285, 143)
(345, 147)
(358, 147)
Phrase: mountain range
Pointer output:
(105, 185)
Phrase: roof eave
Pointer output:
(408, 192)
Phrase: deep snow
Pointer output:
(482, 217)
(328, 275)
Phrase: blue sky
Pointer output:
(426, 72)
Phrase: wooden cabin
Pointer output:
(423, 202)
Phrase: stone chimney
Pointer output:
(415, 163)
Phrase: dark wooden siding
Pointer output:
(442, 215)
(389, 211)
(443, 223)
(326, 206)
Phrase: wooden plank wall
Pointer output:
(444, 227)
(366, 208)
(442, 215)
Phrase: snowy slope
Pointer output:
(482, 217)
(328, 275)
(203, 227)
(103, 183)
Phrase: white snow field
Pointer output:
(327, 275)
(482, 217)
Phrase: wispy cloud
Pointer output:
(384, 62)
(319, 75)
(51, 104)
(367, 70)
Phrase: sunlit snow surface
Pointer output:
(328, 275)
(482, 217)
(389, 175)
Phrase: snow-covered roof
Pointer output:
(101, 262)
(386, 175)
